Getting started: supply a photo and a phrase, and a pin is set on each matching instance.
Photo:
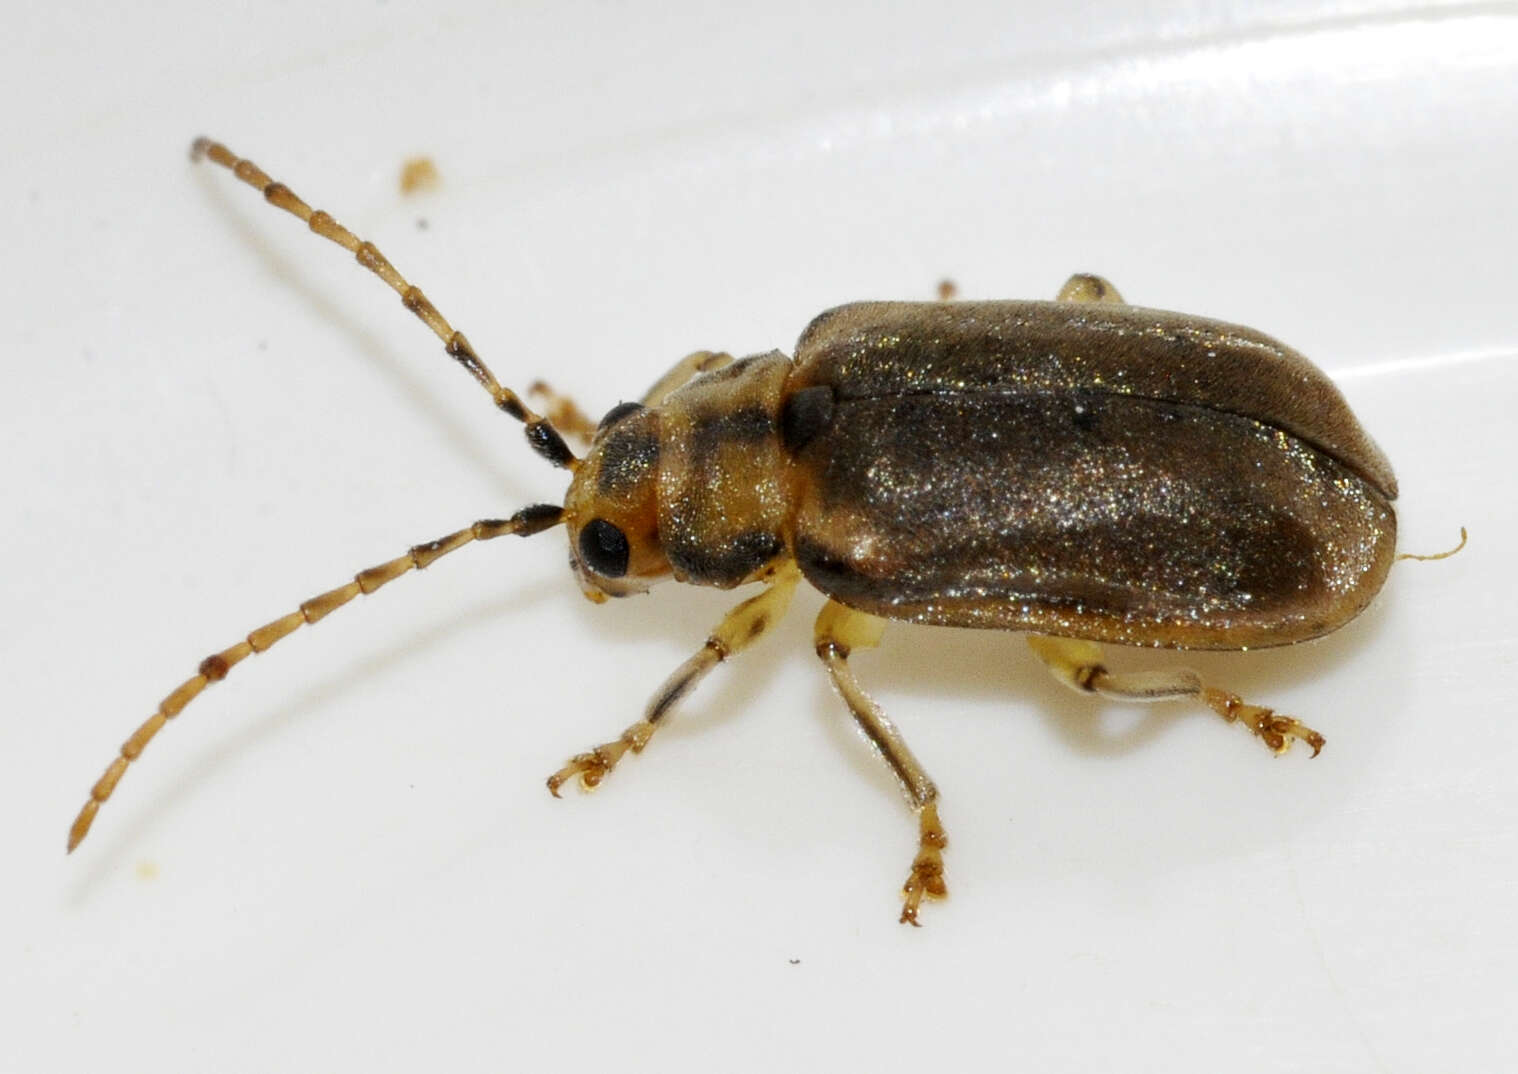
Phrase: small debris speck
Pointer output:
(419, 174)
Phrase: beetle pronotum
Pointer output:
(1080, 470)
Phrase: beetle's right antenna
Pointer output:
(545, 440)
(214, 668)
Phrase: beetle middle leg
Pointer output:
(1078, 664)
(839, 631)
(741, 627)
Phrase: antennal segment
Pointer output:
(545, 440)
(215, 667)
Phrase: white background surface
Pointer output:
(343, 858)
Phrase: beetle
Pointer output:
(1083, 471)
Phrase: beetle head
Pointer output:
(611, 510)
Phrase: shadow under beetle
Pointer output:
(1081, 470)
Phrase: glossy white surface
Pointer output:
(343, 857)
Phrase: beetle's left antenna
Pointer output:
(543, 437)
(215, 667)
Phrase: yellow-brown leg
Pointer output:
(684, 371)
(1078, 664)
(215, 667)
(739, 628)
(1084, 287)
(840, 631)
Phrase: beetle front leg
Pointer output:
(839, 631)
(1078, 664)
(739, 628)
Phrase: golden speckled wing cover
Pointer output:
(1116, 474)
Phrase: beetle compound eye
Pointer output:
(604, 549)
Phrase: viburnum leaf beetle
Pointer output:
(1080, 470)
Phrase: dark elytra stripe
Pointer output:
(837, 575)
(805, 414)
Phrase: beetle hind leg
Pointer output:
(739, 628)
(839, 631)
(1078, 664)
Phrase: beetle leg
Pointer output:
(1084, 287)
(686, 370)
(1277, 731)
(562, 412)
(738, 629)
(1078, 664)
(839, 631)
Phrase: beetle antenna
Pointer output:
(214, 668)
(1435, 555)
(543, 437)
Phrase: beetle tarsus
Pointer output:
(739, 628)
(595, 765)
(1276, 731)
(926, 879)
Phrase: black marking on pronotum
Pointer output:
(627, 455)
(724, 562)
(746, 426)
